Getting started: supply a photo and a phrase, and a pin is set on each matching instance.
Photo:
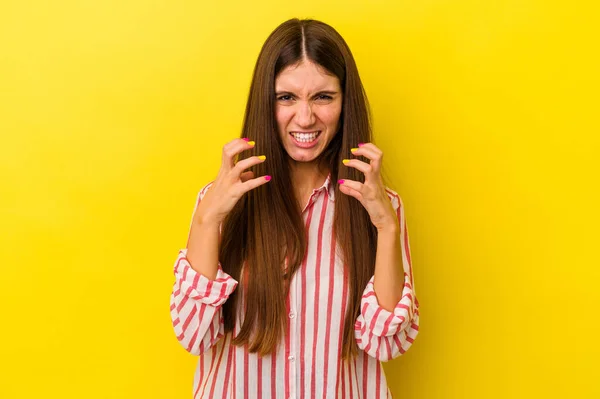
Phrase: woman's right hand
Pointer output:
(231, 183)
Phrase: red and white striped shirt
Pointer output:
(307, 362)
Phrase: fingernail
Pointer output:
(262, 157)
(361, 144)
(353, 149)
(341, 181)
(345, 161)
(245, 139)
(267, 177)
(251, 143)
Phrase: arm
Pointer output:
(201, 286)
(203, 242)
(389, 318)
(196, 299)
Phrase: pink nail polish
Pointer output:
(341, 181)
(361, 144)
(246, 139)
(267, 177)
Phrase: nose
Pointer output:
(305, 116)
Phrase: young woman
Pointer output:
(299, 217)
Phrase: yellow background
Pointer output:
(113, 114)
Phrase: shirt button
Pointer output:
(292, 315)
(291, 358)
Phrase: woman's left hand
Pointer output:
(371, 193)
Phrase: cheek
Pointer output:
(331, 116)
(282, 116)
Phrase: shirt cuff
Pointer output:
(200, 288)
(382, 322)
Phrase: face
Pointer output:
(308, 108)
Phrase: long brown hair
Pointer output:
(265, 227)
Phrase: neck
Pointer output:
(306, 176)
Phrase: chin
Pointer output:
(305, 157)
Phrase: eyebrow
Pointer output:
(278, 93)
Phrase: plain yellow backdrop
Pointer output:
(113, 114)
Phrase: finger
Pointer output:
(247, 176)
(352, 188)
(364, 167)
(354, 185)
(244, 164)
(370, 151)
(253, 183)
(370, 148)
(232, 149)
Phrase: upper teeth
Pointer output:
(305, 136)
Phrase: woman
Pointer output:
(316, 240)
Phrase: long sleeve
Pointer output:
(382, 334)
(196, 303)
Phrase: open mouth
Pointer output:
(305, 138)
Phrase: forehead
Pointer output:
(306, 76)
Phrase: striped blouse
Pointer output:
(307, 362)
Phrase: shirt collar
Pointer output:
(329, 187)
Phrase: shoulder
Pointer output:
(203, 190)
(201, 194)
(394, 198)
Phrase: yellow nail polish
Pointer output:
(353, 149)
(262, 157)
(251, 143)
(345, 161)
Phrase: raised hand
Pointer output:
(371, 193)
(231, 183)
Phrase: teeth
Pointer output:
(305, 137)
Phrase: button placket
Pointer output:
(293, 336)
